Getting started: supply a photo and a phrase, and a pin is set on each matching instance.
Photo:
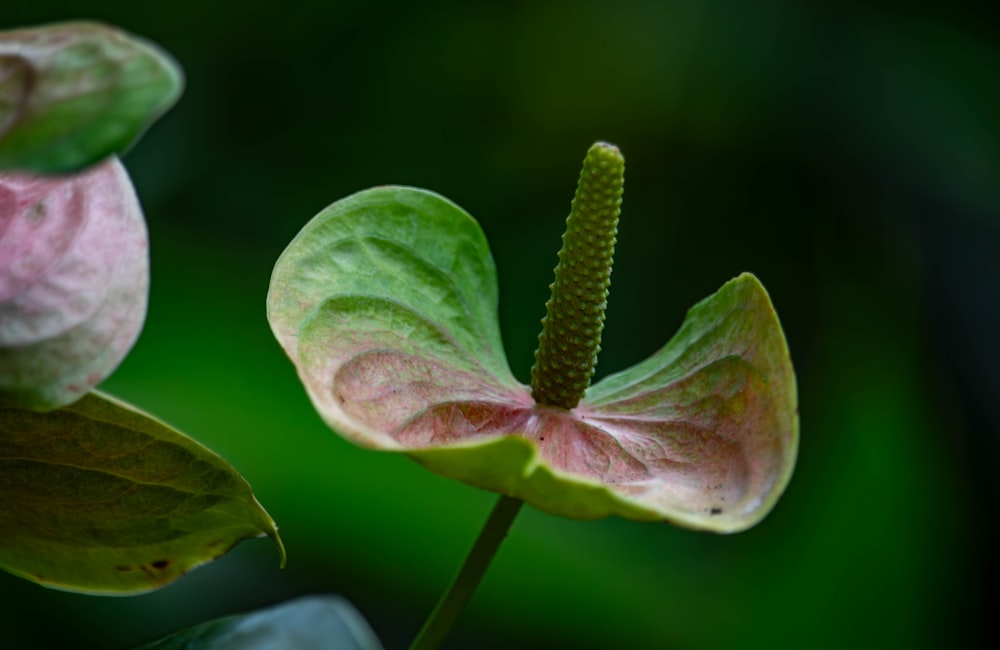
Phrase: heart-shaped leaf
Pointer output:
(73, 93)
(391, 295)
(387, 304)
(74, 282)
(99, 497)
(309, 623)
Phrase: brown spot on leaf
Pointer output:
(160, 565)
(36, 212)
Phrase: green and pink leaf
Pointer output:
(74, 282)
(72, 94)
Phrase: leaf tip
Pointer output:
(282, 554)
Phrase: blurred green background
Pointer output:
(848, 153)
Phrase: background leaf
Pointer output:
(98, 497)
(73, 93)
(74, 282)
(309, 623)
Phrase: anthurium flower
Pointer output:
(386, 302)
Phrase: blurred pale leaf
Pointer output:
(310, 623)
(74, 282)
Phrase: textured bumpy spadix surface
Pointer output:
(386, 303)
(574, 315)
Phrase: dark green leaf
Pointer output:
(310, 623)
(74, 93)
(98, 497)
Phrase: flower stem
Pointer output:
(574, 315)
(447, 610)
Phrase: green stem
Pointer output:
(574, 315)
(439, 623)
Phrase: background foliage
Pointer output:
(845, 152)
